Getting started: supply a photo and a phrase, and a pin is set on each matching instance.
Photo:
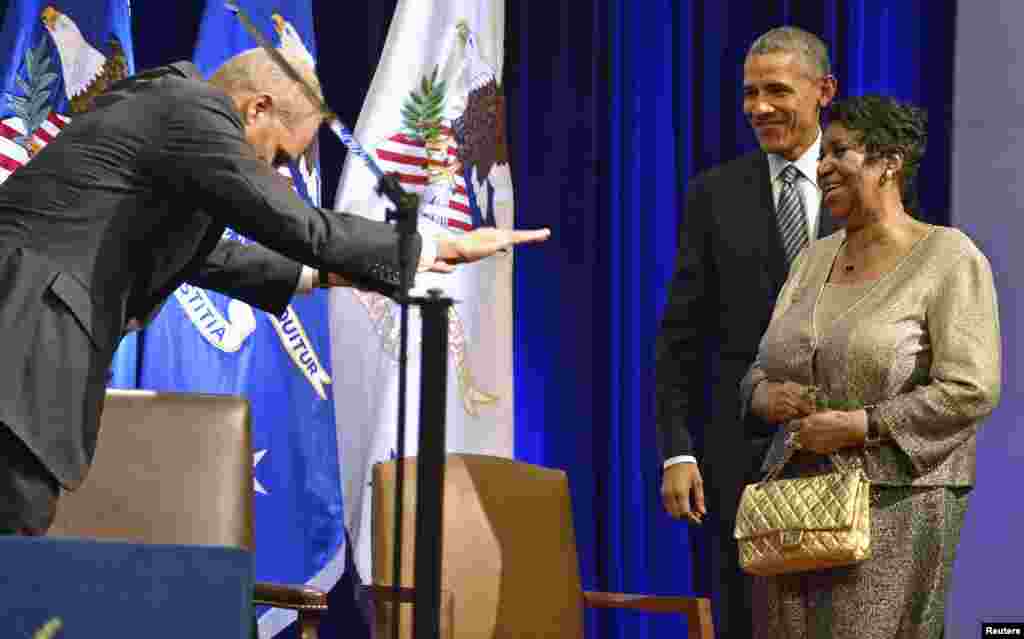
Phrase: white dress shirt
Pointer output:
(808, 192)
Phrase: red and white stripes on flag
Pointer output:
(414, 163)
(13, 155)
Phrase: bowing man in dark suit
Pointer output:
(129, 202)
(744, 222)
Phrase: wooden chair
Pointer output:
(175, 468)
(509, 554)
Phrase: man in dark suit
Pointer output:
(130, 201)
(743, 223)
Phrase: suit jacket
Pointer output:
(125, 205)
(730, 268)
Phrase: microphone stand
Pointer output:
(431, 442)
(433, 378)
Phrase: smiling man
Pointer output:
(743, 223)
(129, 202)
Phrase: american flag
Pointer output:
(14, 155)
(434, 173)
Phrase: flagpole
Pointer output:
(433, 379)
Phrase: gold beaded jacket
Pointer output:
(921, 344)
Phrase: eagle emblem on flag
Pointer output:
(64, 58)
(450, 160)
(87, 72)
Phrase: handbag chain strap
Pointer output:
(791, 449)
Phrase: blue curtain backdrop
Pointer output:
(613, 106)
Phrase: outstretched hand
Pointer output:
(463, 249)
(480, 244)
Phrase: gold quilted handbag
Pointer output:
(807, 523)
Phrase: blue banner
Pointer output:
(205, 342)
(58, 57)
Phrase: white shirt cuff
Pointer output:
(307, 280)
(679, 459)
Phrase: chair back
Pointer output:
(509, 548)
(170, 468)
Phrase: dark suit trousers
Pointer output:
(716, 574)
(28, 492)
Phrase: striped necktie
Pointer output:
(792, 219)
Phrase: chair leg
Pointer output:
(309, 625)
(701, 625)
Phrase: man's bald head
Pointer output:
(280, 120)
(254, 72)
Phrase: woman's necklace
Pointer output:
(845, 257)
(849, 265)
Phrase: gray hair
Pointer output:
(794, 40)
(254, 71)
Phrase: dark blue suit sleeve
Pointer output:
(680, 347)
(249, 272)
(205, 159)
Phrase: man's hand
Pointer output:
(781, 402)
(479, 244)
(682, 492)
(830, 430)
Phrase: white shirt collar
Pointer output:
(807, 163)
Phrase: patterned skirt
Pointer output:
(900, 593)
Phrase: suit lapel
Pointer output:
(764, 222)
(186, 69)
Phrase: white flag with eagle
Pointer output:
(434, 115)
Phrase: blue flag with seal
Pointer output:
(206, 342)
(58, 58)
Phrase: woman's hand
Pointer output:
(830, 430)
(781, 402)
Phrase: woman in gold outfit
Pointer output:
(895, 320)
